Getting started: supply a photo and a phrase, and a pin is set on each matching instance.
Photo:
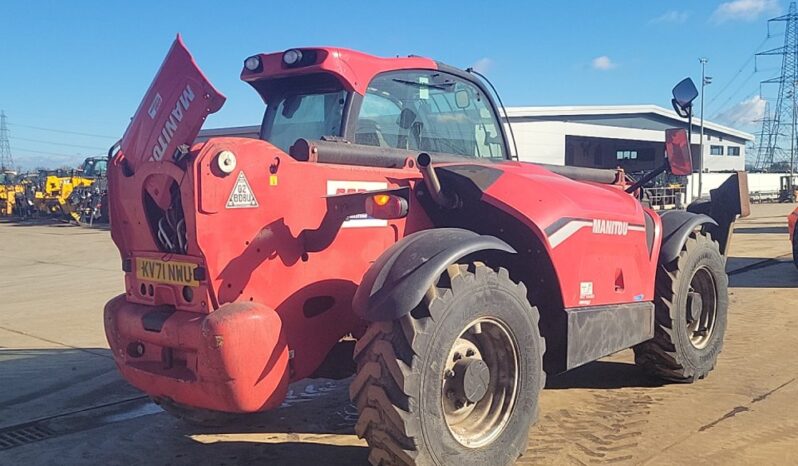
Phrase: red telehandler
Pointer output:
(382, 204)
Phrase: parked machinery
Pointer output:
(88, 203)
(383, 204)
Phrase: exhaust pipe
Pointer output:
(443, 199)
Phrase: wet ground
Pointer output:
(62, 401)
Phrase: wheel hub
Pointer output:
(694, 306)
(471, 379)
(480, 381)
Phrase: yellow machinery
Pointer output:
(55, 191)
(9, 189)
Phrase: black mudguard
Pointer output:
(395, 284)
(725, 205)
(676, 227)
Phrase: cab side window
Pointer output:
(428, 111)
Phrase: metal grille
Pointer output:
(23, 435)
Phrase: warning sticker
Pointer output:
(242, 196)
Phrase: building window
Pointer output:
(733, 151)
(715, 150)
(626, 155)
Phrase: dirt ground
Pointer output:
(62, 401)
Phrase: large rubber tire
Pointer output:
(398, 386)
(671, 355)
(197, 416)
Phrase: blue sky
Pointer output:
(82, 66)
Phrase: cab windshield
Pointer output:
(95, 167)
(431, 111)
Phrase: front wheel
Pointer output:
(795, 247)
(456, 381)
(691, 302)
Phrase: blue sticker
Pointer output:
(638, 297)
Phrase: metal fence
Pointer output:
(666, 197)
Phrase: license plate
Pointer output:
(172, 272)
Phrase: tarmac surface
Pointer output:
(62, 401)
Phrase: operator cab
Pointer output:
(93, 167)
(426, 108)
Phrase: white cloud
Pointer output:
(743, 114)
(483, 65)
(672, 16)
(603, 63)
(744, 10)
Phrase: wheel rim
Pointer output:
(702, 308)
(480, 382)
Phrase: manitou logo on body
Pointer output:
(170, 126)
(241, 197)
(610, 227)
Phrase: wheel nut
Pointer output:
(458, 356)
(448, 374)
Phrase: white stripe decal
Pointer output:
(567, 231)
(570, 228)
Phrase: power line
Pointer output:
(64, 131)
(737, 74)
(15, 138)
(32, 151)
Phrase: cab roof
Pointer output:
(353, 69)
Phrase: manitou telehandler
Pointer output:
(383, 204)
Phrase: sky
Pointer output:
(72, 72)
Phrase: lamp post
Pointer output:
(704, 81)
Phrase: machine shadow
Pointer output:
(289, 453)
(740, 230)
(603, 375)
(757, 272)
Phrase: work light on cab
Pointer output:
(292, 57)
(252, 63)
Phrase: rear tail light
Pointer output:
(386, 206)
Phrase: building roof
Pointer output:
(549, 113)
(557, 112)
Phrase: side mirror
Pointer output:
(684, 94)
(677, 149)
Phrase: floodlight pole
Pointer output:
(701, 136)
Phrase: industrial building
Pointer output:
(627, 136)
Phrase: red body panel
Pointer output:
(581, 257)
(792, 219)
(272, 301)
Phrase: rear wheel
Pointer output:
(691, 309)
(455, 382)
(197, 416)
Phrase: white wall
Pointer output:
(757, 182)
